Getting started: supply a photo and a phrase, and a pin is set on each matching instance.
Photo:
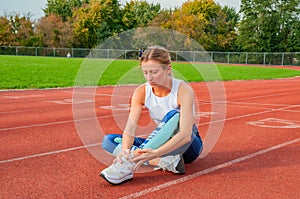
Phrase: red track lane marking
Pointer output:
(209, 170)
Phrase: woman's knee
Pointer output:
(194, 150)
(108, 143)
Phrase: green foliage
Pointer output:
(205, 22)
(63, 8)
(138, 13)
(111, 23)
(266, 26)
(85, 23)
(270, 26)
(96, 21)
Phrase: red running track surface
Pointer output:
(256, 155)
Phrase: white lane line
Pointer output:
(56, 152)
(251, 114)
(47, 153)
(252, 103)
(22, 96)
(98, 94)
(38, 125)
(263, 96)
(209, 170)
(55, 123)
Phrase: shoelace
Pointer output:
(126, 166)
(163, 165)
(166, 164)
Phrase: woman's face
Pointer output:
(156, 73)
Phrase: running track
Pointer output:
(256, 156)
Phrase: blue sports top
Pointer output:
(159, 106)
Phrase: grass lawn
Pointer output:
(24, 72)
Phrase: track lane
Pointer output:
(75, 172)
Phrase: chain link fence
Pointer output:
(280, 58)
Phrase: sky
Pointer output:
(34, 7)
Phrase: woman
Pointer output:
(171, 105)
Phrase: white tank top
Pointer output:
(159, 106)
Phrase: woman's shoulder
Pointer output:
(140, 88)
(185, 93)
(185, 88)
(139, 94)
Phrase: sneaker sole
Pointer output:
(117, 182)
(180, 166)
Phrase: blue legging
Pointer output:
(163, 132)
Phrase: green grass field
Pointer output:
(24, 72)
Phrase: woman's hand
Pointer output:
(143, 155)
(125, 154)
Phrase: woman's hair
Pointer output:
(156, 53)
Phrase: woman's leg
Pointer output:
(195, 148)
(112, 143)
(163, 132)
(191, 150)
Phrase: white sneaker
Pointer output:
(171, 163)
(118, 173)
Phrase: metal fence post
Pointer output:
(194, 56)
(228, 57)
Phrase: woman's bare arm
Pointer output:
(137, 102)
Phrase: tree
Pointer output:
(270, 26)
(86, 22)
(111, 15)
(54, 32)
(205, 22)
(17, 30)
(138, 13)
(24, 30)
(231, 24)
(96, 21)
(7, 36)
(63, 8)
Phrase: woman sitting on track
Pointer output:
(171, 105)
